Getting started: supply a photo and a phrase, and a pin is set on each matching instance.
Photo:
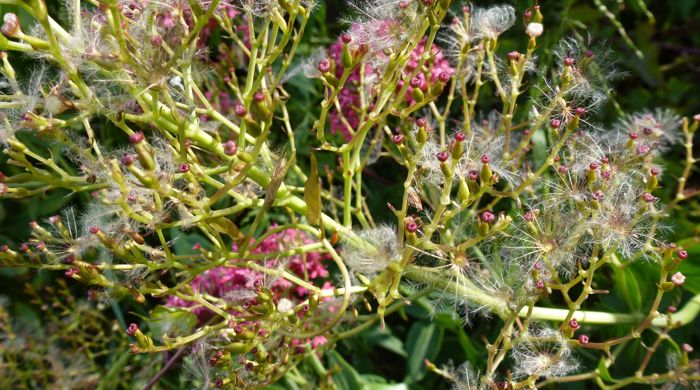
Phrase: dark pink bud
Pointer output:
(346, 38)
(589, 53)
(136, 138)
(55, 219)
(40, 246)
(647, 131)
(259, 96)
(485, 159)
(421, 122)
(580, 111)
(513, 55)
(597, 195)
(4, 248)
(473, 175)
(324, 65)
(529, 217)
(132, 197)
(593, 166)
(488, 217)
(197, 246)
(411, 227)
(563, 169)
(538, 266)
(415, 82)
(459, 137)
(643, 149)
(605, 160)
(213, 361)
(443, 156)
(583, 339)
(184, 168)
(606, 175)
(649, 198)
(682, 255)
(671, 309)
(156, 40)
(24, 248)
(687, 348)
(633, 135)
(444, 77)
(219, 383)
(540, 284)
(230, 147)
(239, 109)
(72, 272)
(398, 139)
(568, 61)
(94, 229)
(654, 171)
(573, 324)
(132, 329)
(403, 4)
(33, 225)
(555, 123)
(128, 159)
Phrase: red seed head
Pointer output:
(682, 255)
(555, 123)
(633, 135)
(459, 137)
(259, 96)
(184, 168)
(346, 38)
(568, 61)
(647, 131)
(593, 166)
(442, 156)
(654, 171)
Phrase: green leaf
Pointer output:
(629, 287)
(312, 194)
(603, 371)
(423, 342)
(345, 378)
(170, 321)
(226, 226)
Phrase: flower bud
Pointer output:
(324, 66)
(678, 279)
(230, 147)
(583, 339)
(11, 27)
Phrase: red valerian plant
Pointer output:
(514, 213)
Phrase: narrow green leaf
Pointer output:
(312, 194)
(423, 342)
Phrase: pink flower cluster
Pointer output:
(241, 283)
(349, 97)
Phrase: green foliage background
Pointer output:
(668, 76)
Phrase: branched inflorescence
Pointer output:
(252, 258)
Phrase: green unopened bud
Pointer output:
(463, 191)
